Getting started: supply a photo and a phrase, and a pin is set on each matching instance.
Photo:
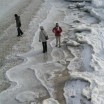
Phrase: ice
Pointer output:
(72, 74)
(45, 77)
(72, 43)
(86, 57)
(6, 5)
(98, 3)
(73, 91)
(26, 96)
(96, 9)
(7, 10)
(79, 0)
(57, 54)
(50, 101)
(98, 13)
(20, 87)
(95, 39)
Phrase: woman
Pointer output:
(43, 37)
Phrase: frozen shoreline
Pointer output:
(76, 76)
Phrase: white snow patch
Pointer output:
(72, 43)
(50, 101)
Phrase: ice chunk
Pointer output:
(87, 92)
(98, 3)
(72, 43)
(50, 101)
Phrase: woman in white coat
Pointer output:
(43, 37)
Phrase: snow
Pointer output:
(50, 101)
(72, 92)
(73, 73)
(72, 43)
(98, 3)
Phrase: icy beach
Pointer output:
(72, 74)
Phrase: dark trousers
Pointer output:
(19, 31)
(44, 47)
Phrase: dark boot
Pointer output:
(19, 32)
(45, 46)
(43, 43)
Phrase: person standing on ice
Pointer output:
(18, 25)
(57, 30)
(43, 37)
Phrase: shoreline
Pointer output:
(67, 71)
